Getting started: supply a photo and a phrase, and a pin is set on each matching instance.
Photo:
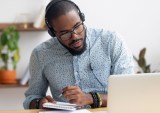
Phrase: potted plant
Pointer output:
(9, 54)
(141, 61)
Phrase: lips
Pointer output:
(76, 44)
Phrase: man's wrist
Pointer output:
(97, 100)
(35, 103)
(89, 99)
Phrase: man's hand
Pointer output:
(75, 95)
(45, 100)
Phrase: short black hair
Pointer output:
(60, 8)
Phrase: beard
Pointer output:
(79, 51)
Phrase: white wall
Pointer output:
(137, 20)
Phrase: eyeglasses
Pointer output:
(76, 30)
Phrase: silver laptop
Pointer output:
(138, 93)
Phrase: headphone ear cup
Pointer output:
(49, 29)
(51, 33)
(82, 16)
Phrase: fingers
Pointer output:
(49, 99)
(71, 90)
(73, 94)
(42, 101)
(45, 100)
(76, 101)
(79, 98)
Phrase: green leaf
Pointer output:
(16, 56)
(4, 39)
(4, 57)
(9, 39)
(142, 53)
(142, 62)
(12, 44)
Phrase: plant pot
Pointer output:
(8, 77)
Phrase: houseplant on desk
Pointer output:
(9, 55)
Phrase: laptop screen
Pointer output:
(136, 93)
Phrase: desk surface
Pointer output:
(37, 111)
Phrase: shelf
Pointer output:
(22, 27)
(12, 85)
(17, 85)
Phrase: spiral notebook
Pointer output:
(61, 105)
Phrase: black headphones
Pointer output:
(51, 4)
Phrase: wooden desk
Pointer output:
(37, 111)
(97, 109)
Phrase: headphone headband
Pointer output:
(51, 4)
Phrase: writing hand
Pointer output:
(75, 95)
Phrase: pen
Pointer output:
(60, 95)
(76, 84)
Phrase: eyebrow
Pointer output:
(72, 27)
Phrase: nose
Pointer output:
(74, 35)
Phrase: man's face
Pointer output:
(70, 32)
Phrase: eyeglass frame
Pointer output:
(72, 31)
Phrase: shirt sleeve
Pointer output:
(38, 84)
(121, 56)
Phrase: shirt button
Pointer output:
(76, 73)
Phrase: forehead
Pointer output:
(66, 21)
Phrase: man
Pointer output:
(76, 62)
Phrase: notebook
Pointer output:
(61, 105)
(137, 93)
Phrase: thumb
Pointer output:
(46, 100)
(50, 99)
